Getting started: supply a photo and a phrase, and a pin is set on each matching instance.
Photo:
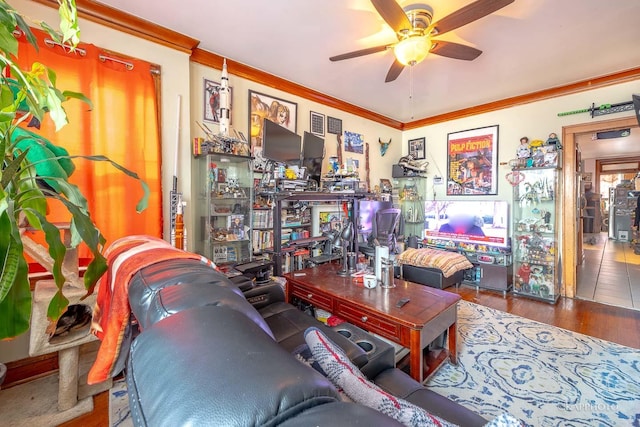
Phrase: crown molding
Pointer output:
(130, 24)
(214, 60)
(581, 86)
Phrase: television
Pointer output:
(312, 155)
(281, 145)
(465, 221)
(636, 106)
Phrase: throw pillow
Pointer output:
(344, 375)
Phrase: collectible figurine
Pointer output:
(536, 143)
(524, 272)
(225, 101)
(524, 151)
(554, 141)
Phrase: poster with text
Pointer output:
(472, 164)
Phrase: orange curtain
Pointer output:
(123, 125)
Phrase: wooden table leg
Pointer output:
(415, 355)
(453, 351)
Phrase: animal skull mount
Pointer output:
(384, 146)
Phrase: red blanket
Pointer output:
(125, 257)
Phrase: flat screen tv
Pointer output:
(465, 221)
(636, 106)
(312, 155)
(280, 144)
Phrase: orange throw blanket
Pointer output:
(125, 257)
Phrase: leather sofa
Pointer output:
(211, 353)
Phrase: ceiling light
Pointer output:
(412, 50)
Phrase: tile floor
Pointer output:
(610, 273)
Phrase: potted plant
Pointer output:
(33, 170)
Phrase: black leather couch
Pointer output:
(208, 356)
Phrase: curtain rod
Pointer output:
(51, 43)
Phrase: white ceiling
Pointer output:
(604, 148)
(528, 46)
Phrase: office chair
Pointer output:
(386, 229)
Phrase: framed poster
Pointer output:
(261, 107)
(353, 142)
(472, 164)
(334, 125)
(211, 96)
(416, 148)
(317, 123)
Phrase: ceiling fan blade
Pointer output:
(361, 52)
(394, 71)
(393, 14)
(455, 50)
(467, 14)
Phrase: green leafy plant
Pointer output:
(33, 170)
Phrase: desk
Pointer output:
(429, 313)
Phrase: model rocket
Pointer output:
(225, 101)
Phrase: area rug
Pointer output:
(544, 375)
(119, 413)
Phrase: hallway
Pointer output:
(610, 273)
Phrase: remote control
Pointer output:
(402, 302)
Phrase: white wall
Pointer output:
(590, 166)
(535, 120)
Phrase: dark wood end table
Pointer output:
(426, 316)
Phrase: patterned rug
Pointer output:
(119, 413)
(544, 375)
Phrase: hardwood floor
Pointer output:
(607, 322)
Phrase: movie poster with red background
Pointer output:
(472, 164)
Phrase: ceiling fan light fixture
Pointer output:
(412, 50)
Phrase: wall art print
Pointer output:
(353, 142)
(472, 164)
(261, 107)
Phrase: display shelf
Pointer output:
(284, 201)
(536, 224)
(410, 192)
(226, 186)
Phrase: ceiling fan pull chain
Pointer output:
(411, 90)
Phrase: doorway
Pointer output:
(609, 261)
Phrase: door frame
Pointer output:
(570, 194)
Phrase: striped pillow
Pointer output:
(447, 262)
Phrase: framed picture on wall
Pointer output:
(261, 107)
(211, 96)
(317, 123)
(416, 148)
(334, 125)
(472, 163)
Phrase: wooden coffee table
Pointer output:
(429, 313)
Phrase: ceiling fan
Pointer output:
(416, 31)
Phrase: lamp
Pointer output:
(412, 50)
(346, 235)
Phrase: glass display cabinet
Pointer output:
(536, 223)
(411, 191)
(223, 225)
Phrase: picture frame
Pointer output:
(587, 176)
(267, 107)
(334, 125)
(316, 123)
(211, 101)
(417, 148)
(353, 142)
(472, 162)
